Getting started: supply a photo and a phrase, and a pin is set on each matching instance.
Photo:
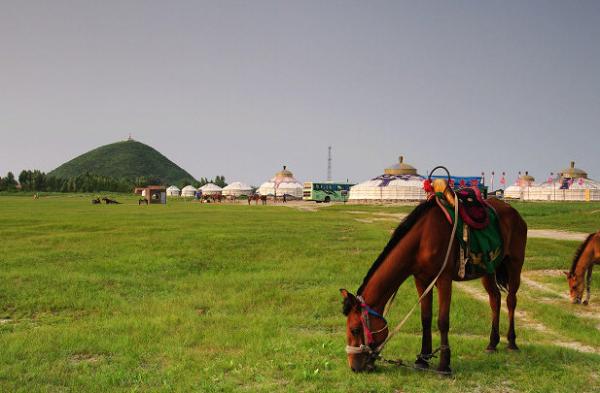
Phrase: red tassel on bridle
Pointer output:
(427, 186)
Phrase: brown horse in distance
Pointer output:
(418, 248)
(586, 256)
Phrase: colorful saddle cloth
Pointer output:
(477, 231)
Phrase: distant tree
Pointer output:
(8, 183)
(220, 181)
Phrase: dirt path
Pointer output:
(557, 235)
(529, 322)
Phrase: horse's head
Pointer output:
(576, 287)
(365, 331)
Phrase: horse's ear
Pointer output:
(349, 301)
(566, 273)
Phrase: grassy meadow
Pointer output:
(226, 298)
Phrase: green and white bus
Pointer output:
(326, 192)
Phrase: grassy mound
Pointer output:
(129, 160)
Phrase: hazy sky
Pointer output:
(240, 88)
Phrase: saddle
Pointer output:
(478, 237)
(471, 206)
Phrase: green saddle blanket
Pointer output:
(481, 247)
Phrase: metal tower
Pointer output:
(329, 164)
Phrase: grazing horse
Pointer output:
(256, 197)
(142, 201)
(418, 248)
(96, 201)
(586, 256)
(110, 201)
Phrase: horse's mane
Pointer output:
(399, 233)
(579, 252)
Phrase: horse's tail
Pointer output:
(502, 275)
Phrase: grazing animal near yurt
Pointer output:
(420, 247)
(96, 201)
(586, 256)
(109, 201)
(142, 201)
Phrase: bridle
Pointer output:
(365, 319)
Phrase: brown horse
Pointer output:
(418, 248)
(586, 256)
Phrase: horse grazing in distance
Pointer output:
(96, 201)
(418, 248)
(109, 201)
(142, 201)
(586, 256)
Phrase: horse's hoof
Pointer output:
(513, 347)
(445, 371)
(421, 365)
(491, 350)
(585, 303)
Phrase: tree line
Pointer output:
(36, 180)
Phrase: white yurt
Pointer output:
(521, 188)
(210, 188)
(399, 182)
(189, 191)
(173, 191)
(283, 183)
(570, 184)
(236, 189)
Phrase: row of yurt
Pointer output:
(570, 184)
(283, 183)
(399, 182)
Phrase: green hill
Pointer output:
(129, 159)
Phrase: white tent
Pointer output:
(211, 188)
(188, 191)
(571, 184)
(400, 182)
(237, 188)
(173, 191)
(283, 183)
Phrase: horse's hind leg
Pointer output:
(514, 281)
(489, 283)
(426, 317)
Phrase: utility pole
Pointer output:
(329, 164)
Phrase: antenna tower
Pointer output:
(329, 163)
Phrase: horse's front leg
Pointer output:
(588, 282)
(444, 286)
(426, 317)
(489, 283)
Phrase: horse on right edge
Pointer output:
(586, 256)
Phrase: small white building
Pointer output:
(173, 191)
(283, 183)
(210, 189)
(237, 189)
(189, 191)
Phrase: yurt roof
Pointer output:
(573, 173)
(284, 173)
(210, 187)
(173, 188)
(401, 168)
(189, 188)
(237, 185)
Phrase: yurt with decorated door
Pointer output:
(399, 182)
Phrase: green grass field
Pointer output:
(226, 298)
